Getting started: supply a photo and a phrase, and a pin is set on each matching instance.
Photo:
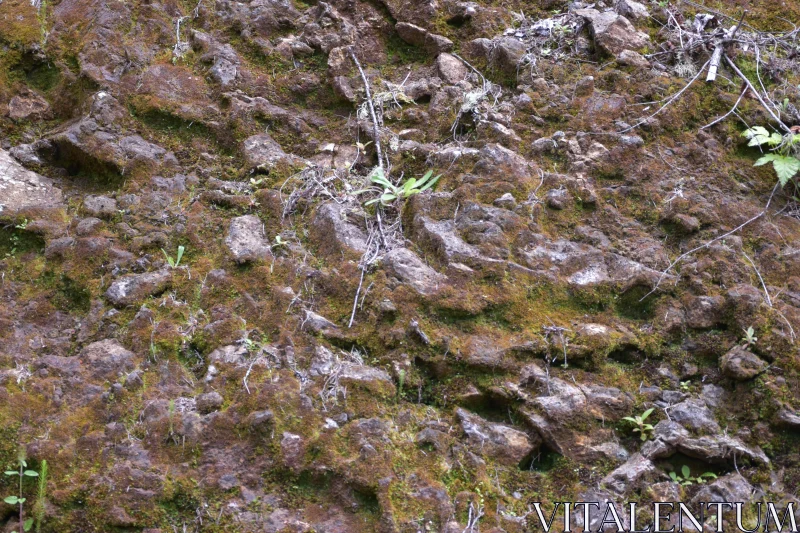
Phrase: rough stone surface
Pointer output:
(246, 240)
(741, 364)
(132, 289)
(509, 445)
(410, 269)
(612, 32)
(22, 190)
(107, 359)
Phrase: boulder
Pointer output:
(499, 442)
(730, 488)
(23, 191)
(100, 206)
(132, 289)
(693, 414)
(633, 59)
(670, 438)
(209, 402)
(93, 145)
(741, 364)
(612, 32)
(334, 233)
(631, 9)
(264, 153)
(451, 69)
(246, 240)
(788, 417)
(107, 359)
(28, 106)
(417, 36)
(632, 475)
(506, 54)
(407, 267)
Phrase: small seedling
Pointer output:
(174, 263)
(644, 429)
(401, 379)
(686, 386)
(685, 477)
(392, 192)
(23, 472)
(749, 338)
(279, 243)
(41, 497)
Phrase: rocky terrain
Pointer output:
(204, 327)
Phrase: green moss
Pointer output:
(15, 241)
(636, 304)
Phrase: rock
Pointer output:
(669, 438)
(632, 475)
(107, 359)
(704, 312)
(263, 153)
(325, 363)
(233, 354)
(506, 54)
(613, 33)
(502, 443)
(260, 420)
(100, 206)
(506, 201)
(684, 223)
(59, 366)
(134, 288)
(334, 234)
(694, 415)
(292, 450)
(557, 198)
(23, 191)
(417, 36)
(451, 69)
(730, 488)
(741, 364)
(225, 64)
(317, 323)
(88, 226)
(788, 417)
(633, 59)
(406, 266)
(138, 150)
(28, 106)
(93, 145)
(581, 265)
(209, 402)
(246, 240)
(631, 9)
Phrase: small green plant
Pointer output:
(685, 477)
(401, 379)
(686, 386)
(749, 338)
(172, 435)
(174, 263)
(784, 149)
(392, 192)
(279, 243)
(23, 472)
(42, 16)
(41, 497)
(643, 428)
